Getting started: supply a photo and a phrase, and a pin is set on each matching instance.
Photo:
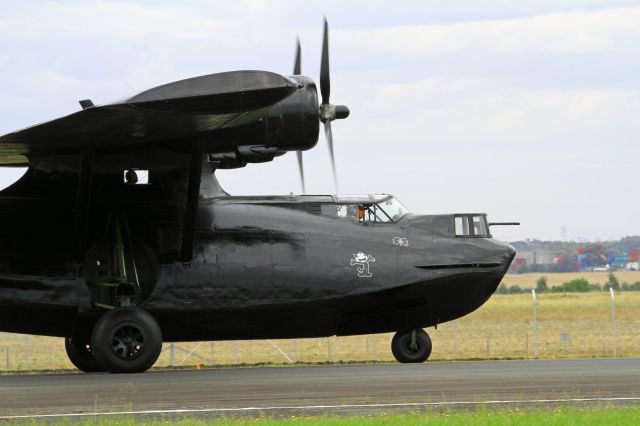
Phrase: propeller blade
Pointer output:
(325, 81)
(297, 69)
(329, 137)
(299, 154)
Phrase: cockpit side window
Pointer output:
(347, 212)
(375, 214)
(361, 213)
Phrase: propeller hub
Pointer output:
(330, 112)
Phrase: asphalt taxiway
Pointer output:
(327, 388)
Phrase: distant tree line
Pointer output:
(600, 247)
(580, 285)
(593, 254)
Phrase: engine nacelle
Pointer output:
(294, 123)
(290, 125)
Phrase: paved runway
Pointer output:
(364, 387)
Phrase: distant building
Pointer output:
(536, 257)
(517, 264)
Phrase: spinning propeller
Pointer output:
(328, 111)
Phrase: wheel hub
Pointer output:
(128, 341)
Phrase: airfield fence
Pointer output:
(568, 325)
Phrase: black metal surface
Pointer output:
(329, 136)
(325, 74)
(193, 192)
(301, 170)
(297, 64)
(83, 201)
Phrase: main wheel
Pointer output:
(411, 350)
(126, 340)
(81, 355)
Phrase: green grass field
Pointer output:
(619, 416)
(529, 280)
(569, 325)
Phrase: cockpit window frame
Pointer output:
(373, 209)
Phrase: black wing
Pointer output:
(178, 111)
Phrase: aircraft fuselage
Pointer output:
(278, 267)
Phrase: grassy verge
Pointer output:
(570, 325)
(620, 416)
(529, 280)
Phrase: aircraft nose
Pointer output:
(510, 253)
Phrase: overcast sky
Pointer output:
(525, 110)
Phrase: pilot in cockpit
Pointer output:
(354, 212)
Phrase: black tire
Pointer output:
(126, 340)
(404, 352)
(81, 355)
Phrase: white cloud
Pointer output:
(121, 21)
(526, 118)
(554, 33)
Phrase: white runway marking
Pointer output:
(319, 407)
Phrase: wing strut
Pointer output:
(83, 201)
(193, 192)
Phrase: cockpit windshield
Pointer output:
(383, 210)
(365, 208)
(392, 210)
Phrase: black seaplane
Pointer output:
(119, 237)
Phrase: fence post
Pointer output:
(373, 347)
(27, 351)
(6, 354)
(488, 348)
(329, 349)
(535, 323)
(613, 321)
(454, 346)
(172, 354)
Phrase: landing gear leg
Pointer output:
(126, 340)
(411, 346)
